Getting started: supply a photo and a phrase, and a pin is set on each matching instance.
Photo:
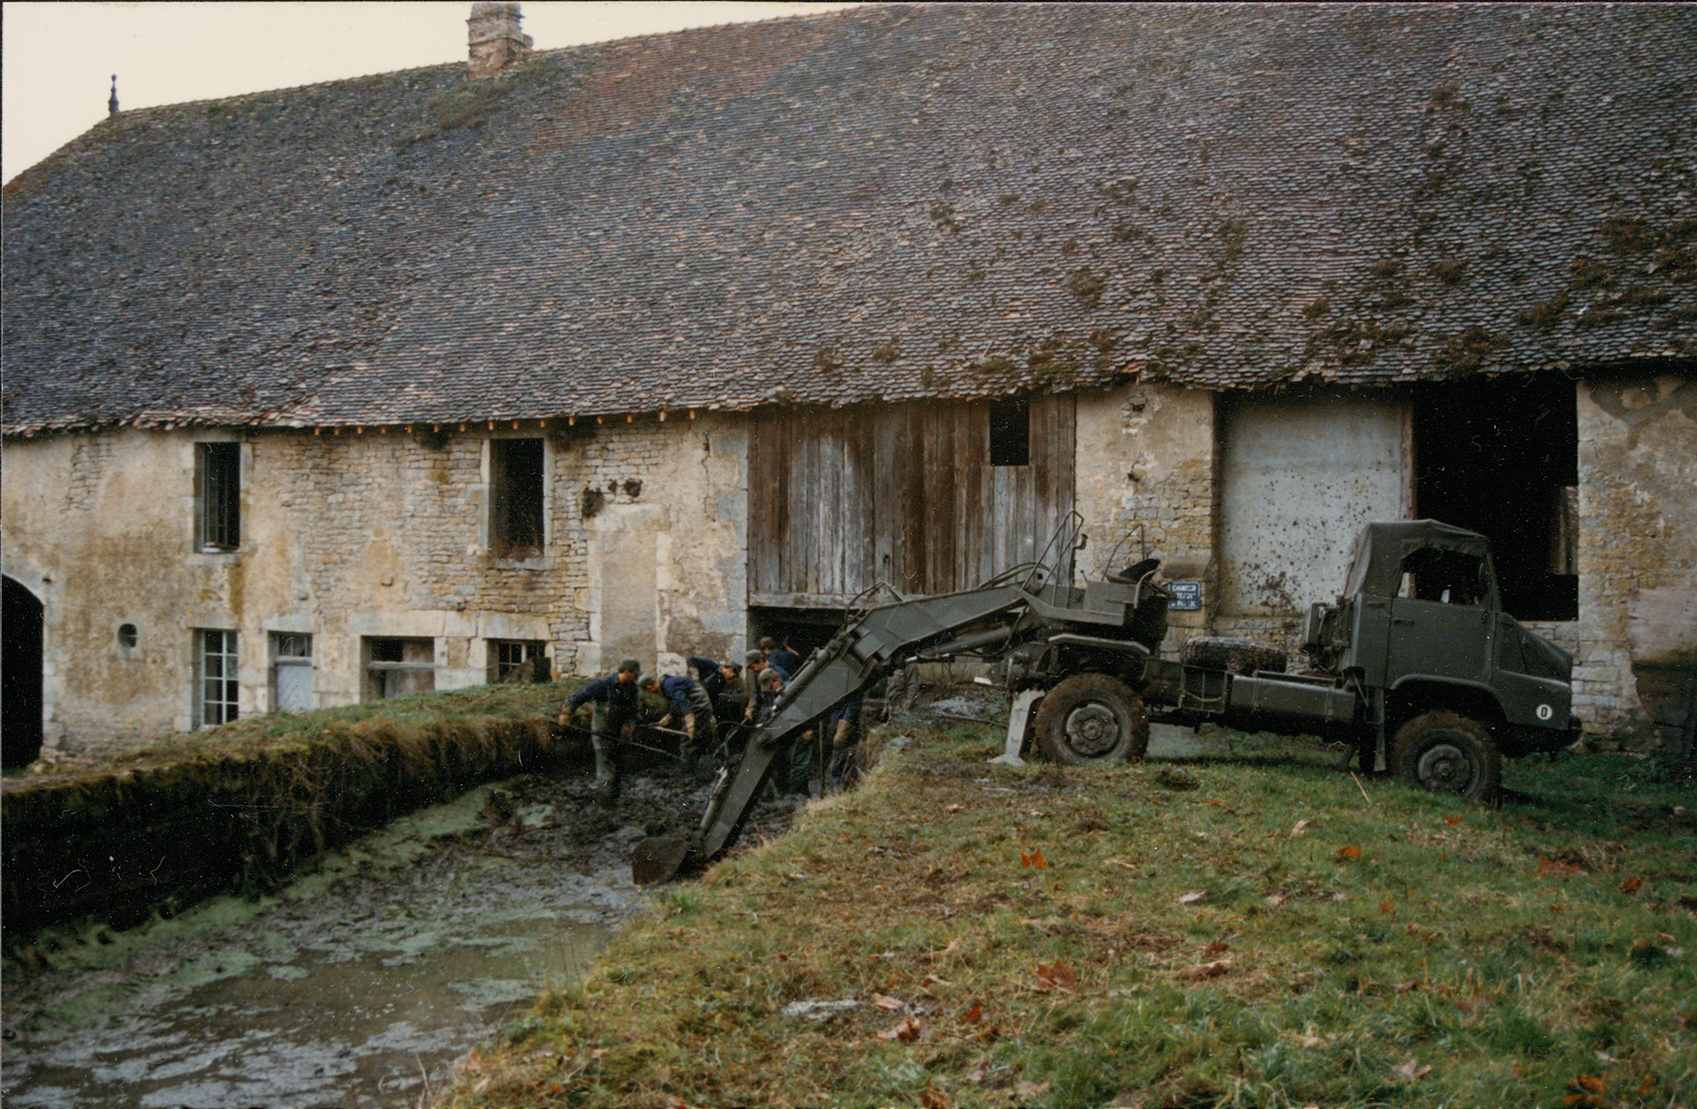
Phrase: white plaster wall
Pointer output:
(1299, 476)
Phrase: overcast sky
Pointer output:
(59, 57)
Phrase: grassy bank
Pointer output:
(240, 806)
(1248, 929)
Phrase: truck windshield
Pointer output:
(1452, 577)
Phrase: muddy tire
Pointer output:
(1446, 752)
(1235, 656)
(1091, 718)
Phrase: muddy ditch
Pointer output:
(122, 843)
(357, 983)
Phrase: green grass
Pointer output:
(1400, 949)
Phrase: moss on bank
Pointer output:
(241, 806)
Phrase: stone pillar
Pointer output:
(494, 41)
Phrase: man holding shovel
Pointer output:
(614, 710)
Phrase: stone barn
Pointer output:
(431, 378)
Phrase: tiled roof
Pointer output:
(878, 203)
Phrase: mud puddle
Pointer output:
(357, 984)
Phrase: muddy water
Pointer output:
(356, 985)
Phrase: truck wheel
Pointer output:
(1446, 752)
(1236, 656)
(1091, 718)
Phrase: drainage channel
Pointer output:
(355, 985)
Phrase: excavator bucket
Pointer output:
(658, 859)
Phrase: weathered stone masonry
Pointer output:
(352, 535)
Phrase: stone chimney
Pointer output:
(495, 42)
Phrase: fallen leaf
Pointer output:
(954, 808)
(910, 1029)
(1412, 1070)
(933, 1099)
(1590, 1083)
(1349, 851)
(1121, 863)
(1305, 1040)
(1274, 899)
(1206, 970)
(1218, 946)
(1387, 908)
(1558, 869)
(1300, 828)
(933, 980)
(1216, 804)
(1192, 897)
(1056, 976)
(973, 1015)
(1452, 820)
(1034, 860)
(1033, 1089)
(887, 1003)
(1631, 884)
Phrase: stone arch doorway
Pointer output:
(20, 675)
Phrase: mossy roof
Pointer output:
(876, 204)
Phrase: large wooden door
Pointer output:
(840, 499)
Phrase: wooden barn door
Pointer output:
(840, 499)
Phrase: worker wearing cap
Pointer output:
(687, 701)
(613, 701)
(758, 662)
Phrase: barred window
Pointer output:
(219, 481)
(516, 660)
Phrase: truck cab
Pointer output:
(1421, 628)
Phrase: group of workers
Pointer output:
(713, 693)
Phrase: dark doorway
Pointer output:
(1500, 456)
(20, 676)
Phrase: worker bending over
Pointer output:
(688, 702)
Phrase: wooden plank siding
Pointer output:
(840, 499)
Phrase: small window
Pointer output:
(219, 477)
(515, 498)
(396, 667)
(215, 677)
(1010, 432)
(515, 660)
(291, 672)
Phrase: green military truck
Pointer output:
(1415, 666)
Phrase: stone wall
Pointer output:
(351, 535)
(1637, 637)
(1145, 473)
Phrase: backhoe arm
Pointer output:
(852, 661)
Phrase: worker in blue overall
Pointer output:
(686, 701)
(613, 701)
(844, 723)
